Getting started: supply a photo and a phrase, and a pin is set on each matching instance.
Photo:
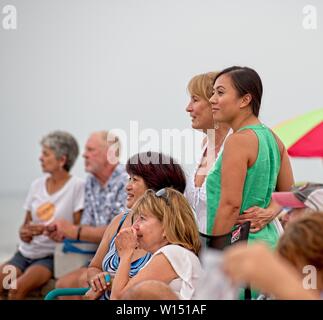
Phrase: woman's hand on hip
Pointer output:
(258, 217)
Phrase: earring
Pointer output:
(216, 125)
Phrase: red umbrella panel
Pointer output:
(303, 135)
(310, 145)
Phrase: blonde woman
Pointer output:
(200, 88)
(164, 226)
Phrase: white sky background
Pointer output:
(84, 65)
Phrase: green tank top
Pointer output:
(261, 180)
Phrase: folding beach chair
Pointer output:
(52, 295)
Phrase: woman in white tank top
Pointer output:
(200, 89)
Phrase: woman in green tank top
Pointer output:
(254, 162)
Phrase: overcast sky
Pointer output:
(83, 65)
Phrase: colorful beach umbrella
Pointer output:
(303, 135)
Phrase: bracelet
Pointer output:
(78, 232)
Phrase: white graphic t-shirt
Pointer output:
(45, 208)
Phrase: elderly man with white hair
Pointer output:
(105, 198)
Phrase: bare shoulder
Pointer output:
(117, 218)
(241, 146)
(113, 226)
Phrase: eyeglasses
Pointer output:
(162, 193)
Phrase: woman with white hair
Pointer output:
(57, 194)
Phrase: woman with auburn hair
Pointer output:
(147, 170)
(164, 226)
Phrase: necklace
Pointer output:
(218, 145)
